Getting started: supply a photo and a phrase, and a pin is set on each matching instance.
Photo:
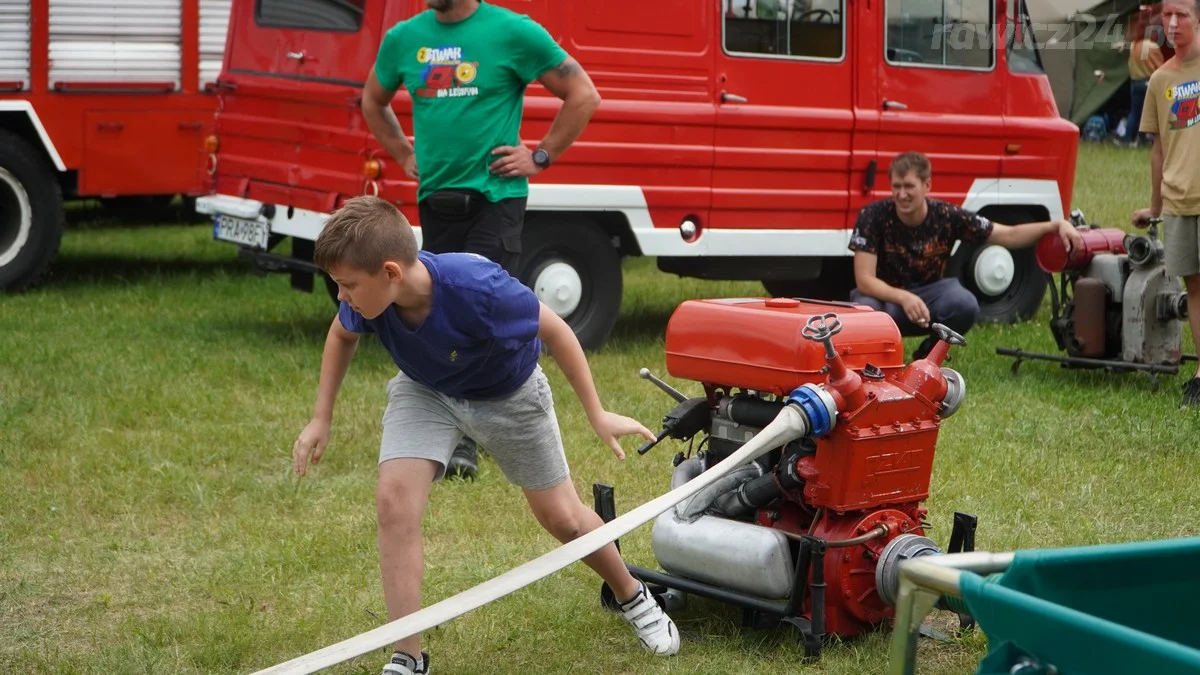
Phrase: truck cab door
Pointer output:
(289, 125)
(311, 40)
(784, 127)
(940, 92)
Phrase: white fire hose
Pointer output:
(791, 423)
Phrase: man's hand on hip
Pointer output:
(514, 162)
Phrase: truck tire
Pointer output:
(575, 270)
(31, 213)
(1008, 284)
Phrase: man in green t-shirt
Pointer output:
(1172, 116)
(466, 65)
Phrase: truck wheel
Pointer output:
(575, 270)
(31, 213)
(1008, 284)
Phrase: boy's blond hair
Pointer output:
(364, 234)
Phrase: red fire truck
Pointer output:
(111, 100)
(735, 140)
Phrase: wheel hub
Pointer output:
(994, 270)
(16, 217)
(560, 287)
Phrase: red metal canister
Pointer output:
(1052, 256)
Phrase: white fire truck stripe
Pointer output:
(630, 201)
(27, 108)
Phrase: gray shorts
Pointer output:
(1181, 245)
(519, 431)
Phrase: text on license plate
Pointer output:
(241, 231)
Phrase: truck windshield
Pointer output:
(1023, 56)
(338, 16)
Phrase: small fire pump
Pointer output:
(810, 533)
(1115, 308)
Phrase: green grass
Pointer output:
(150, 393)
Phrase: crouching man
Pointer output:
(902, 246)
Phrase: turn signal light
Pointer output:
(371, 168)
(211, 144)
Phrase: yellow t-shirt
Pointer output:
(1172, 112)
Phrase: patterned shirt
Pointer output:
(908, 255)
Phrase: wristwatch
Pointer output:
(541, 158)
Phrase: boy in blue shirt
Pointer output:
(466, 337)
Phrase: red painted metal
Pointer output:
(122, 138)
(873, 468)
(1052, 255)
(757, 343)
(794, 155)
(853, 606)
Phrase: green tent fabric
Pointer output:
(1075, 42)
(1100, 610)
(1091, 93)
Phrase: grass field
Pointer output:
(151, 391)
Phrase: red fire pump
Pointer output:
(810, 533)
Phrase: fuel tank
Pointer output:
(727, 553)
(758, 343)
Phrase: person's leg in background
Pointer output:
(444, 232)
(950, 305)
(1181, 244)
(1137, 98)
(492, 230)
(495, 233)
(907, 327)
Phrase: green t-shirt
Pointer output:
(467, 81)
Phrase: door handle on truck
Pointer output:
(727, 97)
(893, 105)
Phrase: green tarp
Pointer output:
(1091, 93)
(1124, 609)
(1076, 39)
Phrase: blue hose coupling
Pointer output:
(818, 407)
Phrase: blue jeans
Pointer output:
(1137, 99)
(949, 304)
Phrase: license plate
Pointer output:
(241, 231)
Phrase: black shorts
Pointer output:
(464, 221)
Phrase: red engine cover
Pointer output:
(756, 343)
(879, 455)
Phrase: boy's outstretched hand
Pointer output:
(312, 442)
(610, 427)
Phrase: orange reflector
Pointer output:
(371, 168)
(1012, 148)
(211, 144)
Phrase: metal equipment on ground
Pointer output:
(811, 533)
(1115, 306)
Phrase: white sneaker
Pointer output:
(656, 630)
(403, 664)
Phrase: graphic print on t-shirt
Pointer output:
(446, 73)
(1185, 105)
